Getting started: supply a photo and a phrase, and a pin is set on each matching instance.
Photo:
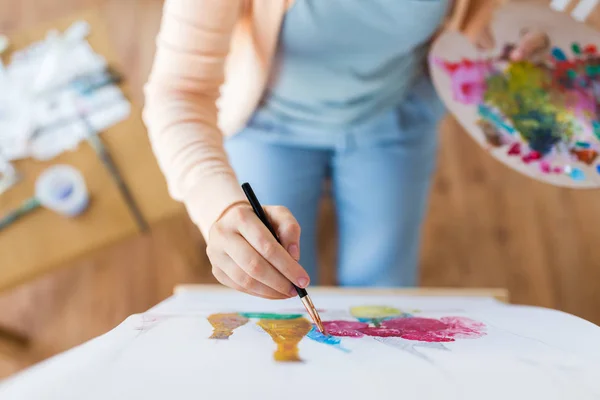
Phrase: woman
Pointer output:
(313, 89)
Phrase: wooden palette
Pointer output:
(561, 166)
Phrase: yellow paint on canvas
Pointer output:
(286, 333)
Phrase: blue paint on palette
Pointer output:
(577, 174)
(598, 168)
(333, 341)
(558, 54)
(596, 126)
(582, 144)
(489, 115)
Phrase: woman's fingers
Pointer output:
(531, 44)
(259, 237)
(287, 228)
(256, 267)
(226, 281)
(229, 274)
(246, 256)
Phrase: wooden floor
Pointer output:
(486, 226)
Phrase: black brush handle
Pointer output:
(260, 213)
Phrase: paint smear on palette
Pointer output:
(468, 78)
(586, 156)
(446, 329)
(327, 339)
(260, 315)
(491, 133)
(286, 333)
(522, 95)
(225, 323)
(547, 113)
(345, 328)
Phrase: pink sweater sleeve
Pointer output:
(180, 110)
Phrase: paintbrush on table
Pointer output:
(96, 142)
(25, 208)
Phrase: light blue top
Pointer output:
(340, 62)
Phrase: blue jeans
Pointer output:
(380, 172)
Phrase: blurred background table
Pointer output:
(43, 240)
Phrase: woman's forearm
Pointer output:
(181, 112)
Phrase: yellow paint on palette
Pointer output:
(375, 312)
(286, 333)
(225, 323)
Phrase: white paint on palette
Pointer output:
(46, 122)
(583, 9)
(559, 5)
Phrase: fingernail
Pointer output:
(293, 291)
(294, 251)
(303, 282)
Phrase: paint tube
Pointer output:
(62, 189)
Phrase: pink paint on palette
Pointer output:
(468, 78)
(584, 105)
(547, 168)
(531, 156)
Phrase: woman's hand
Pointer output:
(532, 44)
(245, 256)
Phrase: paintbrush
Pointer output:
(25, 208)
(96, 142)
(304, 297)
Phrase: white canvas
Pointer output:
(526, 353)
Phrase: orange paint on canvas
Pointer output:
(225, 323)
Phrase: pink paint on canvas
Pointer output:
(344, 328)
(446, 329)
(382, 332)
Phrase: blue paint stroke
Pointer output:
(558, 54)
(489, 115)
(329, 340)
(577, 175)
(598, 168)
